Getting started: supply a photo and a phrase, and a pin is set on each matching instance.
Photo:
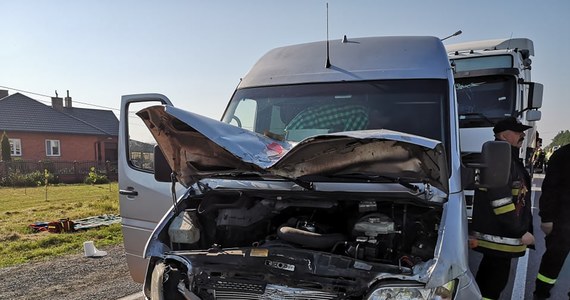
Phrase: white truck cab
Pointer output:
(334, 173)
(493, 81)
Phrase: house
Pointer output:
(60, 132)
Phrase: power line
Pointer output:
(9, 88)
(43, 95)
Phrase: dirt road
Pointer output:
(71, 277)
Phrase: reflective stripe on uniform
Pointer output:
(503, 205)
(515, 192)
(501, 247)
(545, 279)
(497, 239)
(504, 209)
(486, 298)
(501, 202)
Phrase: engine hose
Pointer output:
(309, 239)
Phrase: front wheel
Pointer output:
(167, 282)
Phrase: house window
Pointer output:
(15, 147)
(52, 148)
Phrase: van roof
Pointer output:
(358, 59)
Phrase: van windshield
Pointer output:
(294, 112)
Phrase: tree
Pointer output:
(5, 148)
(561, 139)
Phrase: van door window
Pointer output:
(141, 142)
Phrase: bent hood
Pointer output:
(196, 147)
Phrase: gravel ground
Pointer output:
(71, 277)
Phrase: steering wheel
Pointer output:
(238, 121)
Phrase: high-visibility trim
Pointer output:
(501, 247)
(545, 279)
(504, 209)
(515, 192)
(483, 189)
(497, 239)
(501, 202)
(484, 298)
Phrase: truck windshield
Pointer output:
(484, 100)
(294, 112)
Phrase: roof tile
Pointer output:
(22, 113)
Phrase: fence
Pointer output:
(63, 171)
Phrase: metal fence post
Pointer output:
(75, 170)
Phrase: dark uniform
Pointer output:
(538, 160)
(501, 216)
(555, 207)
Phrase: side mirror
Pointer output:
(162, 170)
(495, 166)
(535, 95)
(533, 115)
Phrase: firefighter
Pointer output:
(538, 160)
(501, 226)
(554, 212)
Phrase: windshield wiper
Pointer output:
(308, 185)
(405, 182)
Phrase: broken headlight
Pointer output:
(401, 292)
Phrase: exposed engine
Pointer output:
(386, 231)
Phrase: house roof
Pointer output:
(22, 113)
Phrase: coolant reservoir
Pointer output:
(185, 228)
(374, 225)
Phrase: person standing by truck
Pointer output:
(538, 160)
(502, 219)
(554, 209)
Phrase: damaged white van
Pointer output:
(334, 173)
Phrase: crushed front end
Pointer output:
(270, 241)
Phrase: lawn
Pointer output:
(20, 207)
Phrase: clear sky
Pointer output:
(195, 52)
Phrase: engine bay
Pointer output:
(394, 231)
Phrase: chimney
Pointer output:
(56, 102)
(68, 100)
(3, 93)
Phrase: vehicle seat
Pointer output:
(332, 117)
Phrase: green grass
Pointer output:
(20, 207)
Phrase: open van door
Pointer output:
(142, 200)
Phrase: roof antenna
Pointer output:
(454, 34)
(328, 63)
(56, 93)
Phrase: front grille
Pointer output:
(238, 286)
(274, 292)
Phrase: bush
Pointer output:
(94, 178)
(5, 153)
(35, 178)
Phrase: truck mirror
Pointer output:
(533, 115)
(495, 166)
(535, 95)
(162, 170)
